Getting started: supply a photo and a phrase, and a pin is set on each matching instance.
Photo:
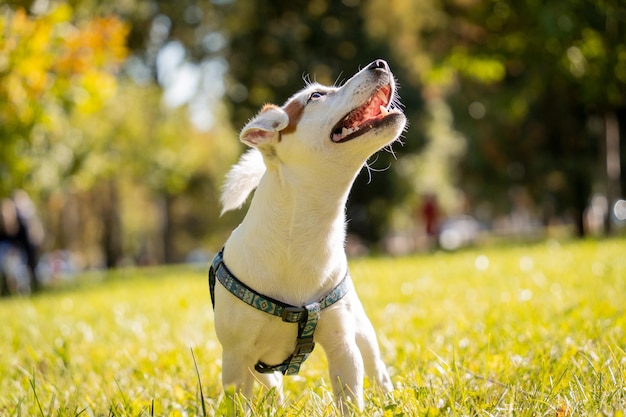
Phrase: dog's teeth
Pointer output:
(383, 111)
(345, 132)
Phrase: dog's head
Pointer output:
(319, 123)
(320, 131)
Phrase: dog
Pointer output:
(281, 282)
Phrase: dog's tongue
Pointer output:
(370, 110)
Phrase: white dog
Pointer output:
(283, 275)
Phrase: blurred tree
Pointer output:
(566, 73)
(565, 76)
(144, 162)
(50, 65)
(531, 85)
(96, 154)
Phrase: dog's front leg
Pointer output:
(345, 366)
(236, 381)
(236, 377)
(272, 381)
(239, 379)
(375, 368)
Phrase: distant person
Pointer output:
(21, 232)
(430, 216)
(8, 232)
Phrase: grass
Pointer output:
(534, 330)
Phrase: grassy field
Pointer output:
(512, 331)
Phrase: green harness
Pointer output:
(306, 316)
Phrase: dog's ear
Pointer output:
(265, 127)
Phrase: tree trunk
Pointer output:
(111, 238)
(167, 216)
(613, 166)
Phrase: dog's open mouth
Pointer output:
(364, 118)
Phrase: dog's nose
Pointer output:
(378, 64)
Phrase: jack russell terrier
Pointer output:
(283, 276)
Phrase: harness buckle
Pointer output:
(293, 314)
(304, 346)
(264, 368)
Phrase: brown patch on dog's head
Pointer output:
(294, 110)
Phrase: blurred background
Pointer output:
(119, 119)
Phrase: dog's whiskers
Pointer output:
(338, 82)
(368, 165)
(306, 77)
(389, 148)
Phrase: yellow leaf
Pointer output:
(20, 23)
(62, 13)
(563, 410)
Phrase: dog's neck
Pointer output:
(293, 234)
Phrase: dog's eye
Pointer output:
(316, 95)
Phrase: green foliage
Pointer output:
(519, 330)
(50, 64)
(75, 131)
(530, 85)
(540, 118)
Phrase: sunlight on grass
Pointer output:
(528, 330)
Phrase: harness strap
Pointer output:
(306, 317)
